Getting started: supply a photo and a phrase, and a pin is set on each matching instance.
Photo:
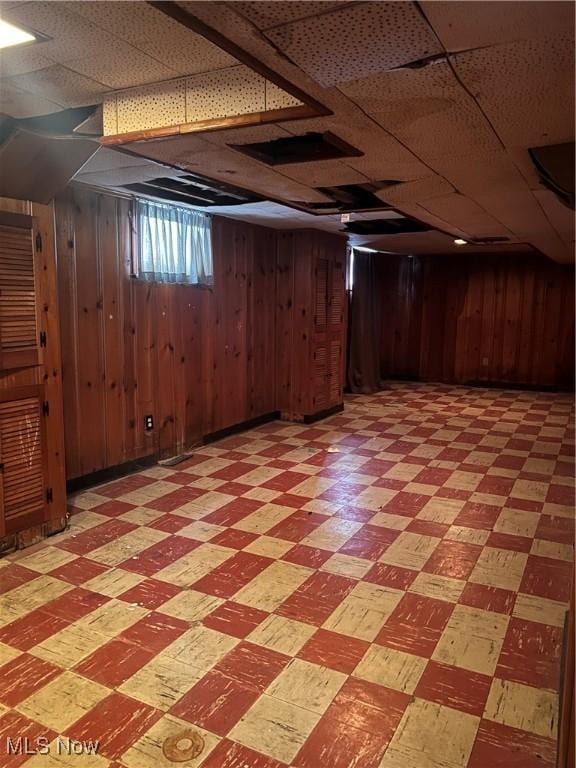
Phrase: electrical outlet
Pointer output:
(148, 423)
(484, 361)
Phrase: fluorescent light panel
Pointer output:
(11, 35)
(459, 241)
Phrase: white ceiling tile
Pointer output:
(153, 106)
(467, 215)
(226, 92)
(28, 58)
(18, 103)
(121, 67)
(356, 41)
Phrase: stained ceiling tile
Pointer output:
(464, 25)
(59, 84)
(526, 88)
(356, 41)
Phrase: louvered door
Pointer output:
(320, 289)
(336, 295)
(22, 451)
(18, 330)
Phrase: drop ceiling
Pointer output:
(445, 98)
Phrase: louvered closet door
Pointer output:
(18, 331)
(320, 289)
(22, 476)
(336, 295)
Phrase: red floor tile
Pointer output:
(113, 663)
(229, 754)
(498, 746)
(158, 556)
(454, 687)
(150, 593)
(78, 571)
(548, 578)
(335, 651)
(453, 559)
(116, 723)
(22, 677)
(252, 665)
(155, 631)
(229, 577)
(531, 654)
(235, 619)
(416, 625)
(475, 515)
(15, 726)
(390, 576)
(310, 557)
(488, 598)
(31, 629)
(216, 702)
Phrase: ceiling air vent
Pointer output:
(350, 197)
(299, 149)
(194, 190)
(401, 226)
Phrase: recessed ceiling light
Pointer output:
(11, 35)
(458, 241)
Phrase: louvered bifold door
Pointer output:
(320, 289)
(18, 332)
(336, 295)
(22, 477)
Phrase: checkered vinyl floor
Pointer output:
(385, 588)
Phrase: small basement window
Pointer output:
(174, 244)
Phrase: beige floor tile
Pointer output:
(114, 582)
(268, 546)
(262, 494)
(491, 499)
(273, 585)
(141, 515)
(439, 587)
(499, 568)
(539, 466)
(275, 728)
(200, 647)
(7, 653)
(440, 510)
(147, 751)
(468, 535)
(391, 668)
(33, 594)
(63, 701)
(346, 565)
(531, 490)
(69, 646)
(332, 534)
(463, 481)
(540, 609)
(403, 471)
(521, 706)
(47, 559)
(472, 640)
(190, 605)
(162, 682)
(196, 564)
(374, 498)
(364, 611)
(517, 522)
(201, 531)
(322, 507)
(87, 500)
(558, 510)
(410, 550)
(258, 476)
(313, 487)
(283, 635)
(553, 550)
(307, 685)
(431, 736)
(112, 618)
(207, 503)
(386, 520)
(263, 519)
(127, 546)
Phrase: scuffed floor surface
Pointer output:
(386, 588)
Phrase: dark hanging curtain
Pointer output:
(365, 325)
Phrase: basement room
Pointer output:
(287, 376)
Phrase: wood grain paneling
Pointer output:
(198, 360)
(494, 318)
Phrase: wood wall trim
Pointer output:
(176, 12)
(299, 112)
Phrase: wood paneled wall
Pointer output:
(198, 360)
(48, 372)
(494, 318)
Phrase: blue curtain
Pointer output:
(175, 244)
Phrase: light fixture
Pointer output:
(459, 241)
(365, 249)
(11, 35)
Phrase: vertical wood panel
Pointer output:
(494, 318)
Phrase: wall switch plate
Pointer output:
(148, 423)
(484, 361)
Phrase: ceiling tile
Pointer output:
(16, 61)
(265, 14)
(121, 67)
(357, 41)
(467, 215)
(59, 84)
(526, 88)
(153, 106)
(18, 103)
(463, 25)
(227, 92)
